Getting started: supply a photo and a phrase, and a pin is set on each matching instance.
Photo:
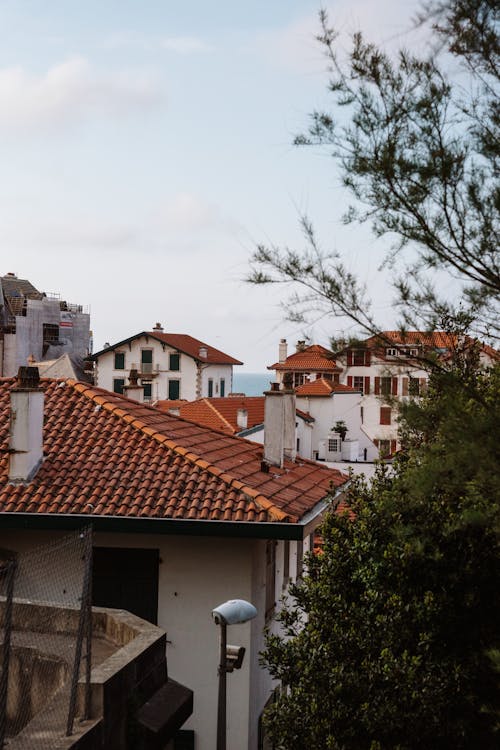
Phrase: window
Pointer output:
(333, 445)
(358, 382)
(148, 391)
(385, 386)
(174, 361)
(222, 386)
(299, 378)
(119, 360)
(391, 352)
(50, 333)
(118, 384)
(384, 448)
(147, 361)
(358, 357)
(174, 389)
(414, 387)
(270, 577)
(385, 415)
(210, 387)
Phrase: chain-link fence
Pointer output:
(45, 640)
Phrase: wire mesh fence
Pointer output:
(45, 640)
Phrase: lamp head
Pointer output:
(233, 612)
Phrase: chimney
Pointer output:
(133, 390)
(26, 426)
(203, 353)
(283, 348)
(279, 423)
(301, 345)
(242, 419)
(158, 327)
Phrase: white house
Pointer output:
(389, 368)
(168, 366)
(184, 519)
(329, 404)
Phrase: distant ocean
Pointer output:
(252, 383)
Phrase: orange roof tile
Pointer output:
(222, 413)
(323, 387)
(441, 341)
(107, 455)
(183, 343)
(313, 358)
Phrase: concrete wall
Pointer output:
(195, 575)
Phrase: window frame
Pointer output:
(115, 356)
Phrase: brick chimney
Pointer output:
(279, 423)
(158, 327)
(26, 426)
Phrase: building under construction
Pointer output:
(39, 327)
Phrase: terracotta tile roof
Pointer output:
(183, 343)
(323, 387)
(107, 455)
(441, 341)
(313, 358)
(222, 413)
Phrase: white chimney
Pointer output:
(133, 390)
(203, 353)
(279, 424)
(26, 426)
(242, 419)
(283, 351)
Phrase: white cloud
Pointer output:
(71, 92)
(188, 213)
(185, 45)
(295, 46)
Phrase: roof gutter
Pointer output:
(171, 526)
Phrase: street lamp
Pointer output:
(233, 612)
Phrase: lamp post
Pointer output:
(232, 612)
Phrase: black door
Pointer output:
(126, 579)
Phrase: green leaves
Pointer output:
(392, 639)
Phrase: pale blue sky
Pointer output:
(146, 148)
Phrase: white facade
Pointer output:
(168, 373)
(384, 383)
(324, 443)
(195, 575)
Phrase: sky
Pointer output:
(146, 150)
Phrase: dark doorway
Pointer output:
(126, 579)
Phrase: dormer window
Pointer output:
(391, 352)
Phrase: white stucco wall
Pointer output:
(327, 410)
(193, 382)
(195, 575)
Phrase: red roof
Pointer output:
(222, 413)
(323, 387)
(441, 340)
(105, 455)
(183, 343)
(313, 358)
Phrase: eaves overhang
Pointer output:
(170, 526)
